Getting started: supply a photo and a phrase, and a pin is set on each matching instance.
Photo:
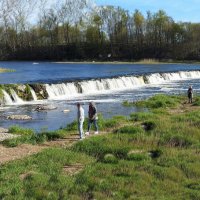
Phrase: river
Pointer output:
(106, 84)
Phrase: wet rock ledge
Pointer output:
(4, 135)
(19, 117)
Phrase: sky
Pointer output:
(179, 10)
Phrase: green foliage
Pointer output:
(141, 116)
(110, 158)
(28, 136)
(137, 156)
(27, 93)
(130, 130)
(159, 101)
(103, 124)
(177, 140)
(196, 101)
(4, 70)
(129, 163)
(20, 131)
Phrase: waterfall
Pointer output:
(103, 85)
(7, 98)
(17, 100)
(61, 91)
(33, 94)
(66, 90)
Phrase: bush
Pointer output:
(72, 126)
(20, 131)
(110, 158)
(52, 135)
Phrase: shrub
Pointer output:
(20, 131)
(72, 126)
(52, 135)
(110, 158)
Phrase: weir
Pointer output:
(33, 94)
(97, 86)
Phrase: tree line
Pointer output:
(78, 30)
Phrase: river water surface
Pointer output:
(106, 84)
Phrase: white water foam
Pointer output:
(7, 98)
(17, 99)
(70, 90)
(102, 86)
(33, 94)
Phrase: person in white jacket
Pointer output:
(80, 118)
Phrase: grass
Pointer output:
(152, 155)
(30, 137)
(3, 70)
(157, 101)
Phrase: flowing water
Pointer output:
(106, 84)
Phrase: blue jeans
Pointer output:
(90, 123)
(80, 128)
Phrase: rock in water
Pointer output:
(66, 111)
(45, 107)
(19, 117)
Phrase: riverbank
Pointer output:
(142, 62)
(146, 156)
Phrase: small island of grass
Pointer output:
(4, 70)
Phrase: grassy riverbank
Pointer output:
(142, 62)
(150, 155)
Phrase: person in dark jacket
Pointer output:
(92, 118)
(190, 94)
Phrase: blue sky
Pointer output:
(179, 10)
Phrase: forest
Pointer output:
(79, 30)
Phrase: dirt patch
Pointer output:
(65, 142)
(23, 150)
(9, 154)
(184, 107)
(73, 169)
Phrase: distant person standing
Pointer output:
(80, 118)
(92, 118)
(190, 94)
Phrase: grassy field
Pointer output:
(149, 155)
